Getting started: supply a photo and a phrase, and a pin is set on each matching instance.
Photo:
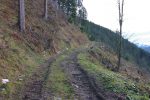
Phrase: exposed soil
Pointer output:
(80, 81)
(34, 86)
(85, 86)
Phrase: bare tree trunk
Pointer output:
(121, 9)
(21, 15)
(46, 9)
(120, 48)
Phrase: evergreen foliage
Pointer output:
(73, 9)
(129, 50)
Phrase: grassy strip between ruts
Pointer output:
(112, 81)
(58, 83)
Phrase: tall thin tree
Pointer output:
(46, 9)
(121, 14)
(21, 15)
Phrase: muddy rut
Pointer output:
(34, 86)
(80, 81)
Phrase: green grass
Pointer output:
(58, 82)
(16, 60)
(112, 81)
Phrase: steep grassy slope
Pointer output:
(20, 53)
(125, 85)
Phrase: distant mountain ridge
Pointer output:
(146, 48)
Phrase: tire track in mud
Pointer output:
(33, 88)
(80, 81)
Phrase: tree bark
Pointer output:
(21, 15)
(120, 48)
(46, 9)
(121, 9)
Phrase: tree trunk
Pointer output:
(21, 15)
(120, 48)
(121, 10)
(46, 9)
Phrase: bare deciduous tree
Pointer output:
(121, 14)
(21, 15)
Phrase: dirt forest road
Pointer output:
(80, 81)
(34, 86)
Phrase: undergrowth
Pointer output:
(112, 81)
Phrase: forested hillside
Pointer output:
(130, 51)
(45, 54)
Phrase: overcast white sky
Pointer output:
(136, 17)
